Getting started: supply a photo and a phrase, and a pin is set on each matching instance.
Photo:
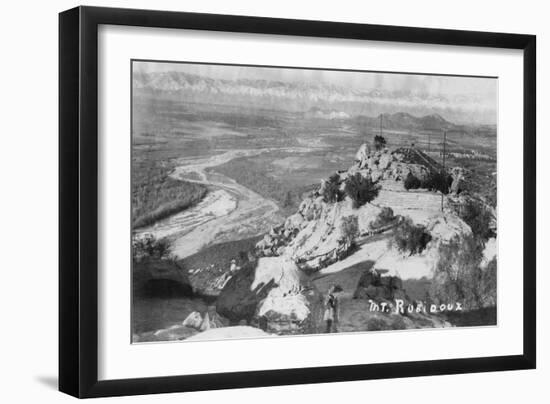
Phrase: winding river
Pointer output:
(230, 211)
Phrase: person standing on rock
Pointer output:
(331, 310)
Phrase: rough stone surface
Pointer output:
(238, 301)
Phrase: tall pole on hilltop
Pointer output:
(380, 125)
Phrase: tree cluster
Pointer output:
(410, 238)
(361, 190)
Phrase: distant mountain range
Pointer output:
(405, 121)
(315, 98)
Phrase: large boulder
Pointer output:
(457, 174)
(385, 160)
(239, 299)
(489, 252)
(272, 292)
(445, 227)
(286, 301)
(193, 320)
(362, 155)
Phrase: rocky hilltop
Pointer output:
(314, 236)
(385, 241)
(315, 247)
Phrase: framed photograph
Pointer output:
(250, 201)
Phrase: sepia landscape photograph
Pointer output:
(282, 201)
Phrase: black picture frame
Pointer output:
(78, 200)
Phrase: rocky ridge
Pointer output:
(313, 237)
(280, 294)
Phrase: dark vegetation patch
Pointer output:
(361, 189)
(459, 276)
(350, 228)
(411, 238)
(438, 181)
(412, 182)
(385, 217)
(331, 191)
(379, 142)
(148, 247)
(481, 179)
(156, 196)
(478, 217)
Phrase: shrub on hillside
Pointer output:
(361, 189)
(438, 181)
(379, 142)
(412, 182)
(459, 276)
(331, 191)
(385, 217)
(411, 238)
(350, 228)
(148, 246)
(479, 218)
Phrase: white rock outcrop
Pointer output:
(286, 299)
(442, 228)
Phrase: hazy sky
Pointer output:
(484, 89)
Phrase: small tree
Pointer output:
(412, 182)
(379, 142)
(148, 246)
(411, 238)
(479, 218)
(361, 189)
(384, 217)
(438, 181)
(331, 192)
(350, 228)
(459, 277)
